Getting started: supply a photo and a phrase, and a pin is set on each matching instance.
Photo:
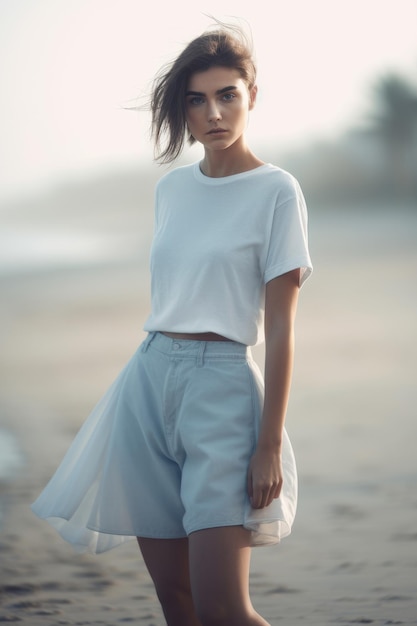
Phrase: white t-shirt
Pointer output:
(217, 242)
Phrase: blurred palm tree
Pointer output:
(394, 123)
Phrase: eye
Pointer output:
(195, 100)
(228, 97)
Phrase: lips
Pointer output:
(216, 131)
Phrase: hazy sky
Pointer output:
(67, 67)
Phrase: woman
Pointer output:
(186, 451)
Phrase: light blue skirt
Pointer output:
(166, 452)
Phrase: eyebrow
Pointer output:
(218, 92)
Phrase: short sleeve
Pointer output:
(288, 238)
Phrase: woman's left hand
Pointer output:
(265, 476)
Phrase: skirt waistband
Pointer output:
(183, 348)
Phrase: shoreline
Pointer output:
(11, 460)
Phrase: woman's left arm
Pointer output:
(265, 469)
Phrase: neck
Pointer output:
(220, 163)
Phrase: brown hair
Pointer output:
(222, 46)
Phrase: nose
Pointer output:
(214, 114)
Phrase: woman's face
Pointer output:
(217, 106)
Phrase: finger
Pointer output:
(270, 496)
(260, 497)
(277, 491)
(256, 500)
(257, 497)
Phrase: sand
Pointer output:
(352, 556)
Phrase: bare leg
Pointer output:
(219, 570)
(167, 563)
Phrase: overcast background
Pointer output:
(68, 69)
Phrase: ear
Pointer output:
(252, 97)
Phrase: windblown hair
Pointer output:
(222, 46)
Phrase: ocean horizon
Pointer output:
(37, 250)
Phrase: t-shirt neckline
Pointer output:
(211, 180)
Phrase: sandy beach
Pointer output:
(352, 556)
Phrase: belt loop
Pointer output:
(148, 340)
(200, 354)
